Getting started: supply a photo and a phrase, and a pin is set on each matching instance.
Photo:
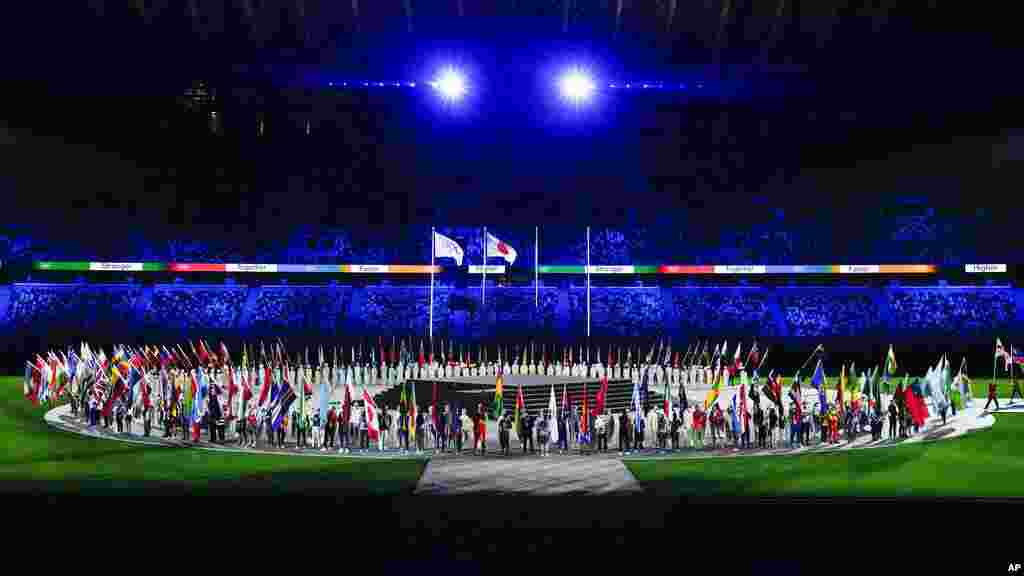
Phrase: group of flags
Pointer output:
(138, 377)
(445, 247)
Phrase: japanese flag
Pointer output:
(498, 249)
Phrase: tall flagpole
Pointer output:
(431, 332)
(588, 289)
(536, 266)
(484, 281)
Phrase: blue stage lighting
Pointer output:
(576, 86)
(451, 85)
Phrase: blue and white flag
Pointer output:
(280, 410)
(818, 381)
(201, 393)
(735, 415)
(323, 392)
(637, 408)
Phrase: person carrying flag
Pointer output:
(992, 395)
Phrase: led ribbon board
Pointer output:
(985, 268)
(673, 269)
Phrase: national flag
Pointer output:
(637, 408)
(520, 406)
(735, 414)
(324, 391)
(644, 389)
(371, 415)
(602, 395)
(445, 247)
(818, 381)
(265, 385)
(841, 386)
(498, 249)
(585, 420)
(743, 404)
(712, 396)
(890, 363)
(754, 356)
(553, 417)
(232, 388)
(28, 386)
(668, 399)
(247, 382)
(1018, 358)
(499, 387)
(413, 410)
(280, 408)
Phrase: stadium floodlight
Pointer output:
(576, 86)
(450, 84)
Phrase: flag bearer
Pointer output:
(992, 395)
(318, 431)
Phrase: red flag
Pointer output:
(602, 393)
(437, 417)
(421, 354)
(246, 387)
(743, 405)
(675, 359)
(232, 389)
(347, 407)
(371, 415)
(37, 379)
(266, 384)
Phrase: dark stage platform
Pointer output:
(512, 380)
(469, 391)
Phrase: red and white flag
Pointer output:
(498, 249)
(371, 415)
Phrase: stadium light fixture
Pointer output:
(576, 86)
(451, 84)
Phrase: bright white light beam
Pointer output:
(576, 86)
(451, 85)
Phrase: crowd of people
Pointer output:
(298, 308)
(404, 309)
(453, 429)
(830, 313)
(975, 312)
(619, 311)
(73, 307)
(196, 308)
(625, 311)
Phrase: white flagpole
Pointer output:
(588, 290)
(483, 282)
(431, 328)
(536, 266)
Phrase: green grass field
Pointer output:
(38, 458)
(982, 464)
